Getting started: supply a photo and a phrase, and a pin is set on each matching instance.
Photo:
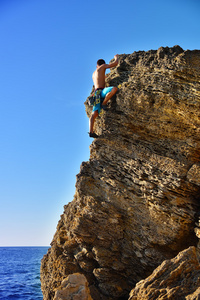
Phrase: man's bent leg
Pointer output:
(110, 95)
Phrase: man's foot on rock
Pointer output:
(93, 135)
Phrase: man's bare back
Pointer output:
(99, 77)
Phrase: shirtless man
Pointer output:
(102, 94)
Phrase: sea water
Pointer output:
(20, 272)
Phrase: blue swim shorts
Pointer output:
(99, 97)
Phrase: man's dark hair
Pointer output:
(100, 62)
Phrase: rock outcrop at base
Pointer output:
(74, 287)
(178, 278)
(138, 197)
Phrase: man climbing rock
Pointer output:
(102, 94)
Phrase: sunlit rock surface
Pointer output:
(74, 287)
(175, 279)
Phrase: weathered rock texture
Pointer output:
(75, 287)
(175, 279)
(138, 197)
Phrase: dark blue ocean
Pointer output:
(20, 272)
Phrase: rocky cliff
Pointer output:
(137, 199)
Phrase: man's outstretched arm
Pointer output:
(114, 64)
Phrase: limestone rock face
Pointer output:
(138, 197)
(176, 279)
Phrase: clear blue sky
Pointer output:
(48, 52)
